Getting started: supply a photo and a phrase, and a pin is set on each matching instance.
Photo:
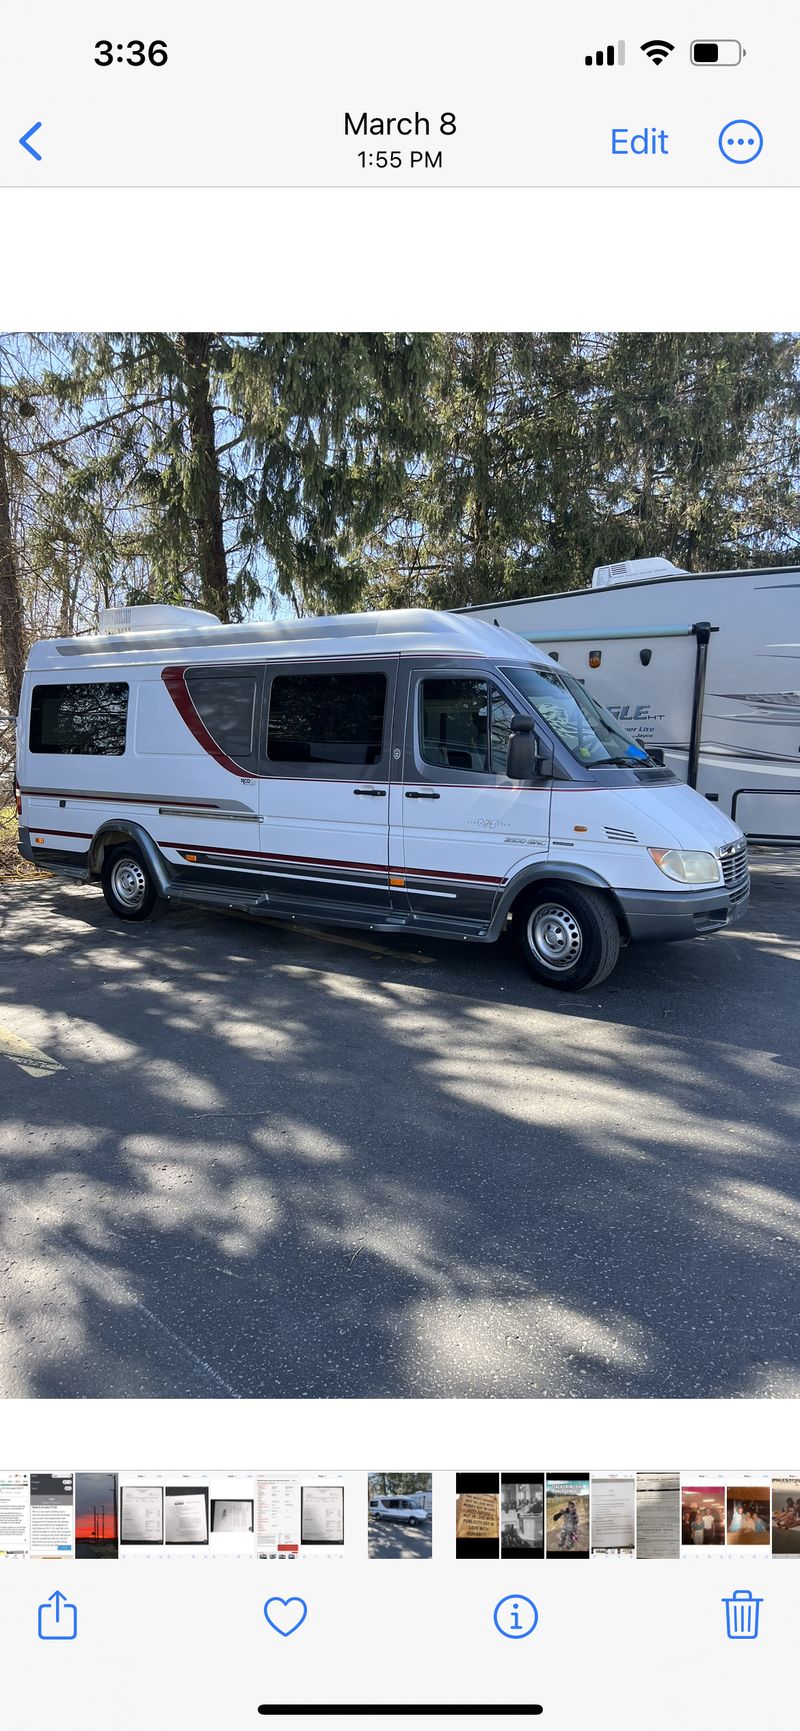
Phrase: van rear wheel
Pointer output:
(568, 937)
(127, 885)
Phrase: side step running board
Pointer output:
(208, 896)
(312, 913)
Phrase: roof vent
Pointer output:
(634, 571)
(117, 621)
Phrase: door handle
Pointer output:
(414, 793)
(370, 792)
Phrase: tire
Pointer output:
(127, 885)
(567, 936)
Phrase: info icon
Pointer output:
(515, 1616)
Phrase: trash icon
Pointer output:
(741, 1615)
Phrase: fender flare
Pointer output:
(554, 871)
(154, 859)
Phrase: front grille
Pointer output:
(735, 871)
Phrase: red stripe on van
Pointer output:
(77, 834)
(120, 798)
(184, 847)
(256, 853)
(175, 681)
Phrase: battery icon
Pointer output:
(716, 51)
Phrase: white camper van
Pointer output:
(398, 1509)
(702, 666)
(398, 771)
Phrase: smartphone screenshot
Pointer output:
(399, 899)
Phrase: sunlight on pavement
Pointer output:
(325, 937)
(28, 1058)
(487, 1342)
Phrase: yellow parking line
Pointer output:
(29, 1058)
(326, 937)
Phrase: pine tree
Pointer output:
(247, 463)
(503, 487)
(327, 471)
(699, 434)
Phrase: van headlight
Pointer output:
(686, 868)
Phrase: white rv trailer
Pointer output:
(704, 667)
(399, 771)
(423, 1500)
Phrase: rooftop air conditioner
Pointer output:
(634, 571)
(118, 621)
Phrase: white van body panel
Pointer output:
(165, 778)
(623, 824)
(750, 731)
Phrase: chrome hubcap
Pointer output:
(129, 883)
(554, 936)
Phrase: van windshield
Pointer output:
(591, 734)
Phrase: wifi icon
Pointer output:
(657, 50)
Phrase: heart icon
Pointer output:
(285, 1615)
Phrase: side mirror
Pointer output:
(654, 751)
(523, 761)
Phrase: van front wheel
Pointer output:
(567, 936)
(127, 885)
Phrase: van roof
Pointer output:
(396, 632)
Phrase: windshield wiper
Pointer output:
(621, 763)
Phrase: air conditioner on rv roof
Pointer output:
(633, 571)
(116, 621)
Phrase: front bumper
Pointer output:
(666, 916)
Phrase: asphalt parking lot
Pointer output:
(243, 1160)
(393, 1541)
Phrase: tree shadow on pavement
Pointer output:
(394, 1541)
(276, 1167)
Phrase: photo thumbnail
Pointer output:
(400, 1516)
(567, 1497)
(786, 1517)
(477, 1515)
(702, 1516)
(748, 1515)
(521, 1515)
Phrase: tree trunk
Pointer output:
(212, 563)
(12, 626)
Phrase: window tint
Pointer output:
(465, 725)
(226, 705)
(327, 718)
(79, 720)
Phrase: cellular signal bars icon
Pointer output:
(610, 56)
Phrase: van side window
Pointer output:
(226, 705)
(327, 718)
(79, 720)
(464, 724)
